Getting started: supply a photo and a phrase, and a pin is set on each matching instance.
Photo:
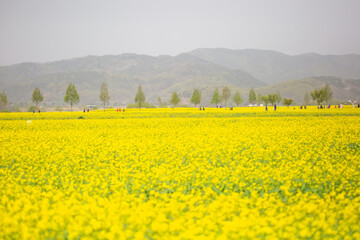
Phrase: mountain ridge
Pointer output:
(274, 67)
(123, 73)
(161, 75)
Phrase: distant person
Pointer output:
(84, 110)
(300, 107)
(39, 110)
(275, 107)
(304, 107)
(200, 108)
(88, 110)
(266, 108)
(358, 105)
(203, 109)
(33, 110)
(124, 110)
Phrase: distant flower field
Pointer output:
(181, 174)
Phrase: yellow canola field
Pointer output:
(181, 174)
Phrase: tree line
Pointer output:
(319, 95)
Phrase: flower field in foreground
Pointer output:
(181, 174)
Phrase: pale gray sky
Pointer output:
(47, 30)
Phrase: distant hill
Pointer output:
(205, 69)
(159, 76)
(342, 89)
(274, 67)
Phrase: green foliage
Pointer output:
(252, 96)
(328, 93)
(288, 101)
(258, 99)
(196, 97)
(272, 98)
(225, 95)
(37, 97)
(144, 105)
(104, 94)
(265, 99)
(161, 103)
(237, 98)
(295, 89)
(174, 99)
(318, 95)
(278, 97)
(140, 97)
(3, 100)
(216, 98)
(71, 95)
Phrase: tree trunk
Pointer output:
(71, 106)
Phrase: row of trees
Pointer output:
(218, 98)
(271, 98)
(175, 100)
(319, 95)
(71, 96)
(195, 98)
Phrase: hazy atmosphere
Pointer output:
(42, 31)
(179, 119)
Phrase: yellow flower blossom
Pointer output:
(181, 174)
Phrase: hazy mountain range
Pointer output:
(205, 69)
(274, 67)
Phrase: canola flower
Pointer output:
(181, 174)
